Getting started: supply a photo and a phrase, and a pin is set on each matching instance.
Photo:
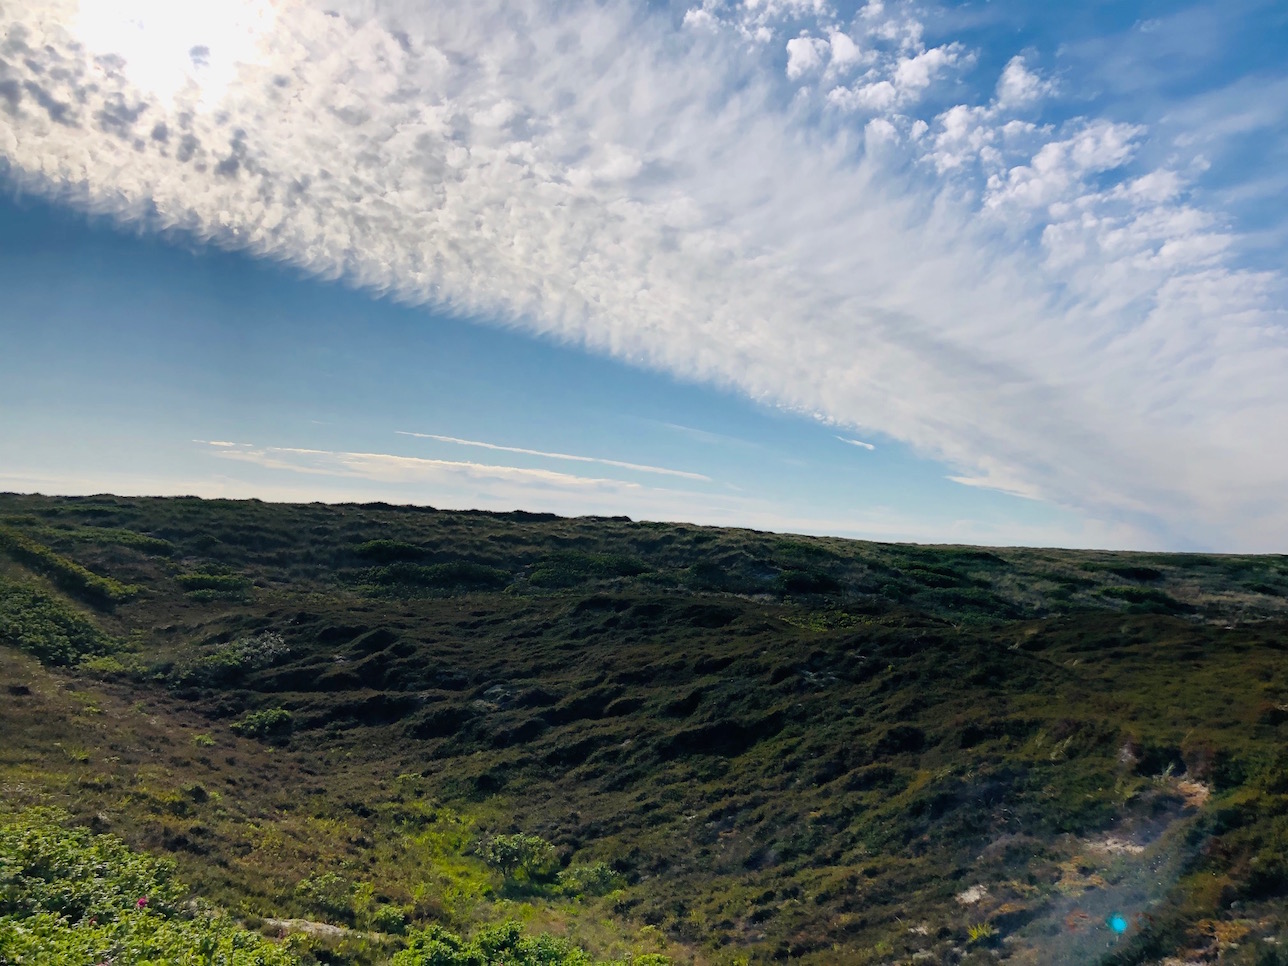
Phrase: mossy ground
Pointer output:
(787, 748)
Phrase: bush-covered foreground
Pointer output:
(69, 896)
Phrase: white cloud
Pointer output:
(638, 467)
(586, 172)
(914, 74)
(804, 54)
(1018, 86)
(1059, 169)
(843, 50)
(857, 442)
(661, 505)
(389, 468)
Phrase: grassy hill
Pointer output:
(380, 731)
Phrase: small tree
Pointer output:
(519, 856)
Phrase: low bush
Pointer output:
(409, 578)
(206, 585)
(502, 945)
(229, 663)
(1147, 600)
(595, 879)
(141, 542)
(388, 918)
(805, 582)
(70, 896)
(265, 724)
(571, 568)
(388, 551)
(46, 628)
(101, 592)
(328, 894)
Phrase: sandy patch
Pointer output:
(1194, 793)
(309, 927)
(1115, 845)
(974, 894)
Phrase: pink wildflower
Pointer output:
(142, 903)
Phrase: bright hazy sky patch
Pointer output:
(1031, 253)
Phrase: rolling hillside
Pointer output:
(364, 727)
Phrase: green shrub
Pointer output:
(502, 945)
(70, 896)
(571, 568)
(1143, 574)
(122, 538)
(390, 919)
(388, 551)
(229, 663)
(141, 937)
(1147, 600)
(75, 874)
(328, 894)
(101, 592)
(204, 585)
(805, 582)
(458, 575)
(110, 666)
(46, 628)
(269, 723)
(596, 879)
(519, 856)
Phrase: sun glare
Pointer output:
(195, 47)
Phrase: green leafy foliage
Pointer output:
(212, 584)
(116, 536)
(520, 856)
(47, 628)
(501, 945)
(389, 551)
(228, 663)
(101, 592)
(75, 874)
(594, 879)
(70, 896)
(571, 568)
(329, 894)
(409, 578)
(266, 724)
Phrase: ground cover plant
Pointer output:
(374, 734)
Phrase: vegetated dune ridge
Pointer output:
(717, 745)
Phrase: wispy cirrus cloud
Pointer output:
(619, 464)
(391, 468)
(339, 476)
(857, 442)
(1039, 302)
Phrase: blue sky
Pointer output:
(659, 260)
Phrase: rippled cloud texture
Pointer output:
(769, 197)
